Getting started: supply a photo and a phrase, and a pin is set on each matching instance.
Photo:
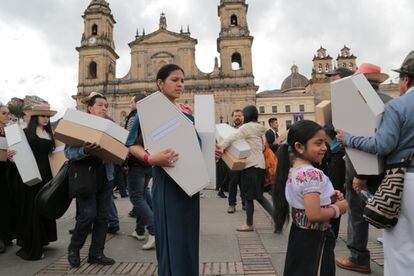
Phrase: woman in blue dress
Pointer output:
(176, 215)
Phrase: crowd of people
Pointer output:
(315, 184)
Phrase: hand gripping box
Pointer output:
(24, 159)
(78, 127)
(323, 113)
(232, 162)
(357, 109)
(3, 149)
(205, 124)
(239, 149)
(163, 127)
(57, 157)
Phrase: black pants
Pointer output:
(250, 208)
(222, 177)
(308, 252)
(92, 213)
(234, 181)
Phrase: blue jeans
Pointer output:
(140, 197)
(113, 219)
(92, 213)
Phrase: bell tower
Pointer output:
(97, 56)
(234, 42)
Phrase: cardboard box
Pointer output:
(97, 123)
(24, 159)
(357, 109)
(205, 124)
(163, 127)
(76, 135)
(57, 157)
(232, 162)
(240, 148)
(323, 113)
(3, 149)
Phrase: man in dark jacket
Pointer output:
(272, 135)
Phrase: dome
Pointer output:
(98, 6)
(294, 80)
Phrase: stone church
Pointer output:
(231, 81)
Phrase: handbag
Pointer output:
(83, 177)
(383, 208)
(52, 201)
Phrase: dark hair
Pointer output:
(138, 97)
(300, 132)
(236, 111)
(31, 130)
(92, 100)
(374, 84)
(250, 114)
(271, 120)
(411, 78)
(166, 70)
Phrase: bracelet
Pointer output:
(336, 209)
(146, 156)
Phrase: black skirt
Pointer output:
(252, 180)
(310, 252)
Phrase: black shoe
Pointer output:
(244, 207)
(71, 231)
(221, 194)
(2, 247)
(112, 229)
(74, 258)
(102, 260)
(132, 214)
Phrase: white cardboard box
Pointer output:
(239, 149)
(163, 127)
(357, 109)
(3, 149)
(205, 124)
(98, 123)
(24, 158)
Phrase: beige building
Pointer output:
(231, 81)
(288, 104)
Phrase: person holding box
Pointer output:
(252, 177)
(176, 215)
(6, 194)
(33, 230)
(92, 207)
(394, 139)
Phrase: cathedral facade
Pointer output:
(231, 81)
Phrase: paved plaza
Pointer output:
(223, 251)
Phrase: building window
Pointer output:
(287, 108)
(94, 29)
(236, 61)
(302, 108)
(274, 109)
(261, 109)
(320, 68)
(327, 68)
(233, 20)
(93, 69)
(288, 124)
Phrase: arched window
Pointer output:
(326, 68)
(233, 20)
(320, 68)
(94, 29)
(93, 69)
(236, 61)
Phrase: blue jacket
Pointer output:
(394, 138)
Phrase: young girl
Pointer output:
(313, 201)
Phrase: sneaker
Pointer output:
(150, 244)
(245, 228)
(231, 209)
(138, 237)
(221, 194)
(347, 264)
(101, 260)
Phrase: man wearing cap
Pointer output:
(357, 234)
(394, 139)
